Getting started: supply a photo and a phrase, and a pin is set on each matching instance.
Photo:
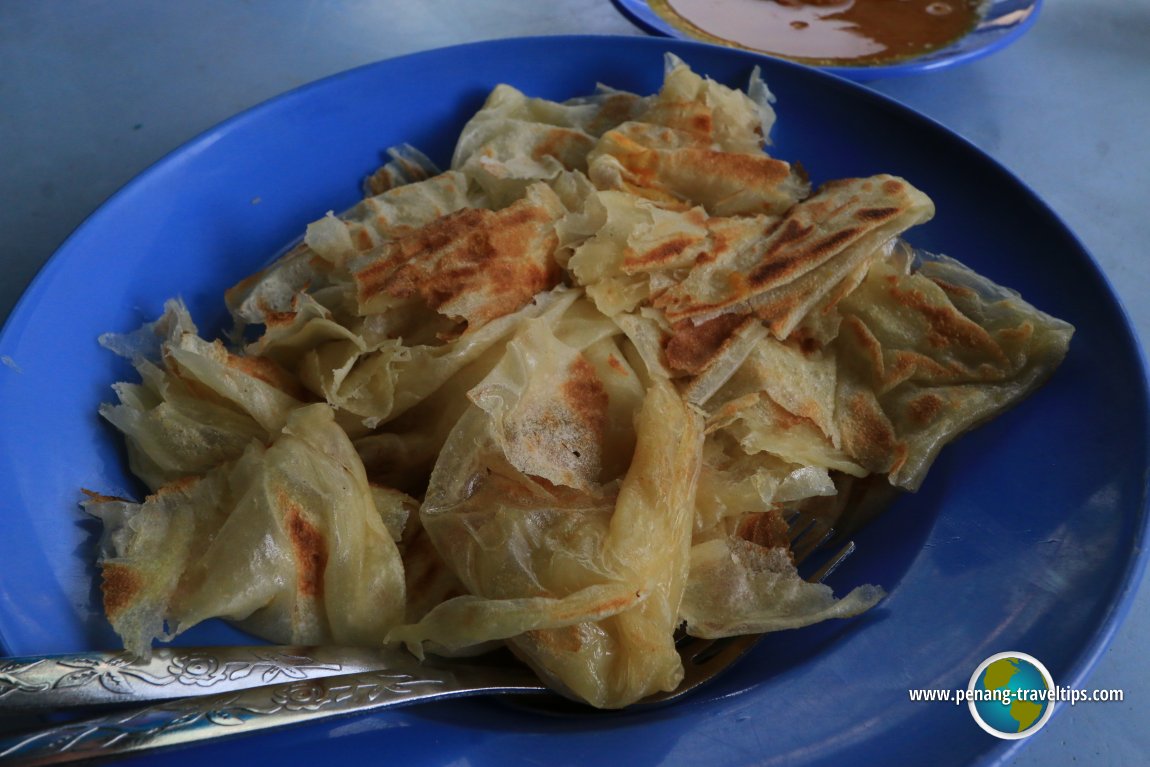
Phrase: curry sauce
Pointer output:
(827, 32)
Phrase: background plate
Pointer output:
(1005, 21)
(1026, 536)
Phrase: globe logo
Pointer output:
(1011, 695)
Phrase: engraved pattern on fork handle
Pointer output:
(94, 678)
(259, 708)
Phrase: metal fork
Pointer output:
(210, 691)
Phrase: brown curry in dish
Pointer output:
(827, 32)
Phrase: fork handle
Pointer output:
(55, 682)
(187, 720)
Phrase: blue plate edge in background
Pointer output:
(639, 13)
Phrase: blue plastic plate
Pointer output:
(1004, 22)
(1027, 535)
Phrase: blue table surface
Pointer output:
(94, 91)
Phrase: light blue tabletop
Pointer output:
(93, 91)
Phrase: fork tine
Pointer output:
(807, 535)
(833, 563)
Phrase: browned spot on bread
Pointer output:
(121, 585)
(952, 290)
(948, 326)
(702, 123)
(308, 545)
(691, 348)
(865, 344)
(819, 243)
(559, 438)
(586, 397)
(640, 161)
(806, 343)
(785, 419)
(766, 528)
(776, 312)
(264, 369)
(666, 251)
(234, 295)
(905, 363)
(617, 365)
(682, 116)
(181, 485)
(876, 215)
(781, 263)
(94, 497)
(273, 318)
(869, 436)
(473, 265)
(362, 239)
(735, 169)
(613, 109)
(567, 145)
(901, 453)
(925, 408)
(674, 165)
